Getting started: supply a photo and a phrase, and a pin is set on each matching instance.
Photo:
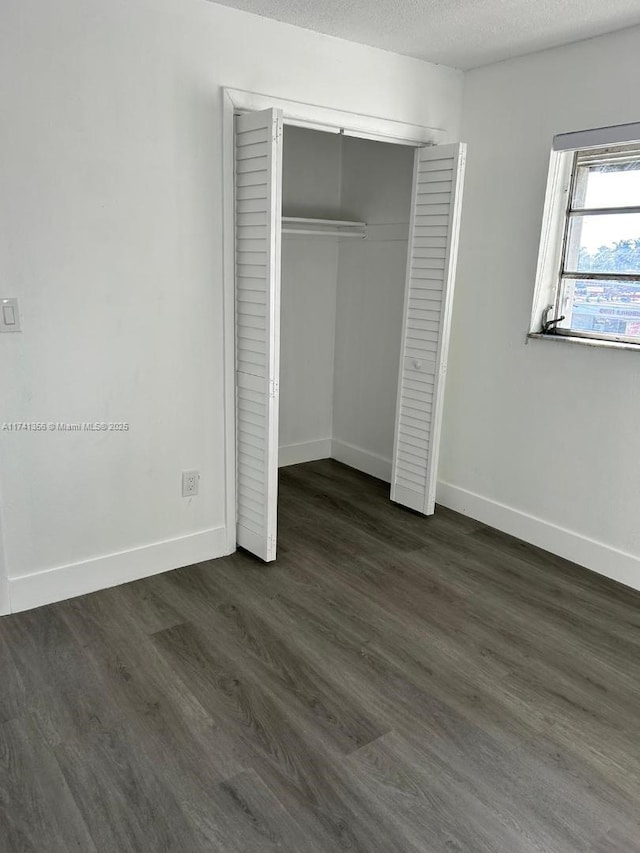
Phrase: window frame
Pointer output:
(551, 271)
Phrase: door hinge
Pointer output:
(274, 388)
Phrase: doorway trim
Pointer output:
(298, 114)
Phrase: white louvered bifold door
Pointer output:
(431, 264)
(258, 193)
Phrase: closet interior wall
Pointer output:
(342, 299)
(376, 188)
(309, 274)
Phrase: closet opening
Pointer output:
(345, 255)
(346, 208)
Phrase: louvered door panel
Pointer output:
(435, 219)
(258, 182)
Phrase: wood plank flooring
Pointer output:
(391, 683)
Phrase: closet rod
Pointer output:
(303, 220)
(318, 233)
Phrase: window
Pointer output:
(589, 266)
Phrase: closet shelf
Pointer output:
(323, 227)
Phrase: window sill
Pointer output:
(589, 342)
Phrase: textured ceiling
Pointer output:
(460, 33)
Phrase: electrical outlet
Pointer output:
(190, 483)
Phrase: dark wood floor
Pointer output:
(391, 684)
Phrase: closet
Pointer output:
(345, 259)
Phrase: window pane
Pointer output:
(607, 243)
(608, 185)
(603, 307)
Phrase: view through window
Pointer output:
(599, 292)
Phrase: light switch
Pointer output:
(9, 315)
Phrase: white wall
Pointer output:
(376, 188)
(312, 165)
(111, 236)
(311, 173)
(539, 439)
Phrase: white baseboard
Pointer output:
(615, 564)
(68, 581)
(306, 451)
(5, 606)
(362, 460)
(101, 572)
